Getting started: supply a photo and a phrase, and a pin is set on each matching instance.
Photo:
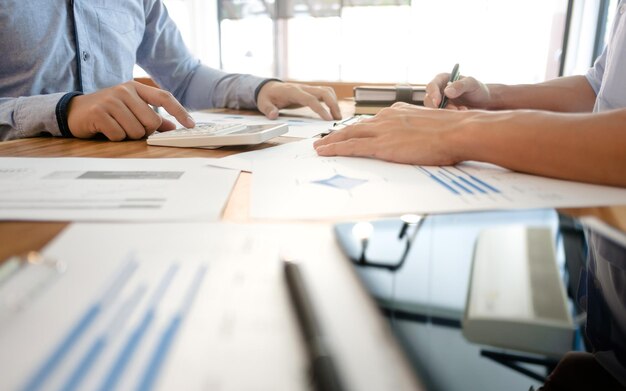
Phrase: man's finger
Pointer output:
(164, 127)
(364, 147)
(150, 119)
(328, 96)
(306, 99)
(162, 98)
(128, 121)
(359, 130)
(111, 129)
(434, 90)
(268, 109)
(432, 100)
(456, 89)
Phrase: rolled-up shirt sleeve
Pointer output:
(29, 116)
(594, 74)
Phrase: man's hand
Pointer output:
(123, 111)
(402, 133)
(465, 93)
(276, 95)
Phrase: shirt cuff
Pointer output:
(61, 113)
(258, 88)
(31, 116)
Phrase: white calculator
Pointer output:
(218, 135)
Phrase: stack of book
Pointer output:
(372, 99)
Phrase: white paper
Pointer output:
(301, 127)
(313, 187)
(224, 284)
(206, 302)
(245, 161)
(112, 189)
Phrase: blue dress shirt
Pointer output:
(50, 48)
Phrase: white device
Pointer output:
(516, 296)
(218, 135)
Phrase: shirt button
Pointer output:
(622, 9)
(85, 56)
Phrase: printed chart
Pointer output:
(326, 188)
(112, 189)
(155, 306)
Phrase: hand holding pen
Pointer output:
(454, 76)
(451, 91)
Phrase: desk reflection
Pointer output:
(424, 298)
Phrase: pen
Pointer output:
(454, 76)
(343, 123)
(323, 370)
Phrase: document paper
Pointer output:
(189, 306)
(112, 189)
(244, 161)
(159, 306)
(307, 186)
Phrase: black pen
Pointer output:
(343, 123)
(323, 370)
(454, 76)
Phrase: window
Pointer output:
(392, 41)
(197, 22)
(590, 25)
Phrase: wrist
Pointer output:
(497, 97)
(466, 141)
(513, 97)
(62, 111)
(260, 87)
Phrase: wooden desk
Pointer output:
(20, 237)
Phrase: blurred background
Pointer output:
(395, 41)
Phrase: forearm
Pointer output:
(214, 88)
(29, 116)
(566, 94)
(582, 147)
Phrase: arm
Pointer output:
(29, 116)
(584, 147)
(164, 55)
(565, 94)
(27, 110)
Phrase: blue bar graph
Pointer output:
(454, 181)
(132, 343)
(479, 181)
(117, 315)
(459, 181)
(438, 180)
(167, 338)
(464, 180)
(92, 354)
(82, 325)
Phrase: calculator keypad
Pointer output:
(202, 129)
